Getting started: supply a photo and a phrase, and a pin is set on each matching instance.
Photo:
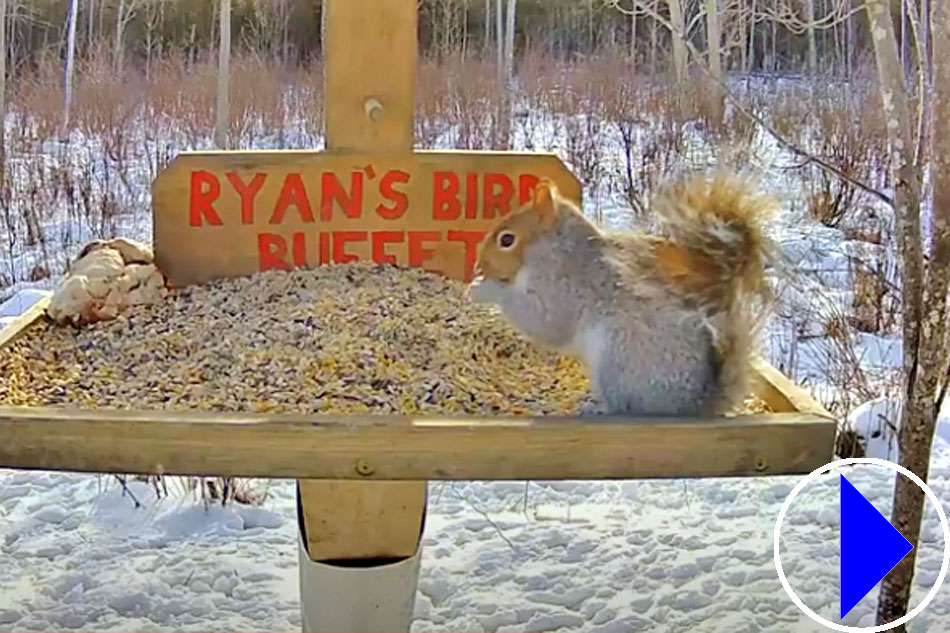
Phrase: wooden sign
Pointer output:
(227, 214)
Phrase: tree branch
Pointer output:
(737, 103)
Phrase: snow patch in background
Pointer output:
(76, 552)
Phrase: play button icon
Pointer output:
(870, 546)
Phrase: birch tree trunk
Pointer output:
(510, 40)
(499, 39)
(743, 40)
(679, 44)
(508, 98)
(812, 45)
(590, 26)
(849, 47)
(633, 39)
(905, 41)
(924, 329)
(751, 55)
(500, 120)
(487, 36)
(70, 61)
(284, 33)
(714, 41)
(773, 60)
(9, 35)
(3, 88)
(927, 16)
(653, 45)
(224, 59)
(90, 23)
(119, 28)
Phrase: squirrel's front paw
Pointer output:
(483, 290)
(591, 407)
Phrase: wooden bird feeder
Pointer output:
(371, 196)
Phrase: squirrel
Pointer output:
(664, 324)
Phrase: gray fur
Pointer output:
(658, 357)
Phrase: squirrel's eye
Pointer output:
(506, 240)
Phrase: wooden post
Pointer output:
(222, 107)
(370, 56)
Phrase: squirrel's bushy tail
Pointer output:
(719, 223)
(736, 333)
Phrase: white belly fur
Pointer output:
(586, 345)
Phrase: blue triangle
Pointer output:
(870, 546)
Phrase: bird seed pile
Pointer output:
(353, 338)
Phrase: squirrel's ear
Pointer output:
(544, 202)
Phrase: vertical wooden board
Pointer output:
(225, 214)
(347, 520)
(370, 51)
(370, 57)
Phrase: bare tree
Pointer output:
(70, 60)
(812, 44)
(714, 42)
(124, 15)
(785, 13)
(90, 22)
(654, 32)
(487, 35)
(224, 76)
(3, 86)
(283, 17)
(633, 38)
(152, 32)
(510, 41)
(905, 39)
(507, 101)
(924, 283)
(499, 39)
(679, 35)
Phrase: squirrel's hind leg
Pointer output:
(663, 374)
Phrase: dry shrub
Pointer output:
(831, 199)
(661, 148)
(875, 300)
(188, 94)
(789, 111)
(36, 102)
(539, 83)
(869, 292)
(433, 104)
(472, 102)
(841, 362)
(850, 135)
(847, 443)
(865, 225)
(580, 108)
(210, 490)
(306, 101)
(257, 109)
(226, 490)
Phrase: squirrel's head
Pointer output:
(501, 253)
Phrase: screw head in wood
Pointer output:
(364, 468)
(761, 464)
(373, 108)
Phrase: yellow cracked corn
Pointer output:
(353, 338)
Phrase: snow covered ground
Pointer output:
(606, 557)
(611, 557)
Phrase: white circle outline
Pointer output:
(813, 475)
